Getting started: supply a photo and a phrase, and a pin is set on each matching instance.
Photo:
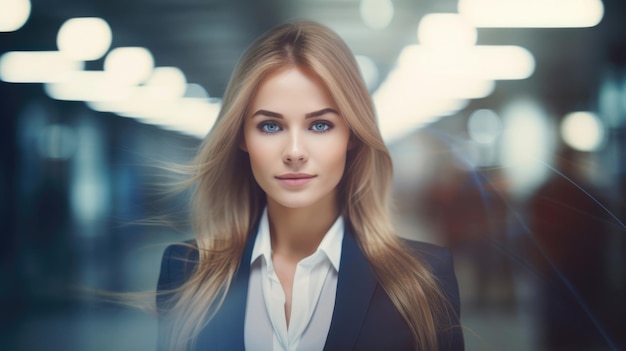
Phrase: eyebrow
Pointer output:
(308, 115)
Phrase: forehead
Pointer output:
(292, 88)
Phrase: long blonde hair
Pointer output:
(227, 202)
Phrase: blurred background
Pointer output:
(506, 120)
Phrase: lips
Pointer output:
(295, 179)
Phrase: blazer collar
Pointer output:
(356, 283)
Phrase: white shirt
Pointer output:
(313, 295)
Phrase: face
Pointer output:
(296, 140)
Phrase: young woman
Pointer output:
(295, 249)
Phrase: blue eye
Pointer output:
(321, 126)
(269, 127)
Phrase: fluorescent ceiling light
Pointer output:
(13, 14)
(166, 83)
(36, 66)
(402, 107)
(191, 116)
(532, 13)
(398, 120)
(85, 38)
(449, 88)
(413, 82)
(129, 65)
(88, 86)
(476, 62)
(446, 29)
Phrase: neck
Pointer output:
(297, 232)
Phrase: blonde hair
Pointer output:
(227, 202)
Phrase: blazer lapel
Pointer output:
(356, 283)
(226, 330)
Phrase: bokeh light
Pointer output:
(166, 83)
(88, 86)
(532, 13)
(13, 14)
(36, 66)
(484, 126)
(129, 65)
(377, 14)
(446, 29)
(85, 38)
(527, 142)
(583, 131)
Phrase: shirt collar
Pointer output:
(330, 244)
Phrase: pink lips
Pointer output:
(295, 179)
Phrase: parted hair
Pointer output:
(226, 201)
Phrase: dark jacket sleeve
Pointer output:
(177, 265)
(441, 264)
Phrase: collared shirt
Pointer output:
(313, 295)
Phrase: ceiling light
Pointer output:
(166, 83)
(88, 86)
(446, 29)
(532, 13)
(191, 116)
(398, 120)
(129, 65)
(13, 14)
(36, 66)
(401, 110)
(419, 83)
(86, 38)
(475, 62)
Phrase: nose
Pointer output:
(295, 150)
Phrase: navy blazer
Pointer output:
(364, 318)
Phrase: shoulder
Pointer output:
(440, 262)
(177, 265)
(438, 258)
(427, 250)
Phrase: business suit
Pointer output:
(364, 318)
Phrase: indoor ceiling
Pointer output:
(205, 37)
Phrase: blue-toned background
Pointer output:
(506, 124)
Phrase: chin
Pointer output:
(295, 201)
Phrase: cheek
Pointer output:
(260, 154)
(334, 156)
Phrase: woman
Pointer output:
(294, 246)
